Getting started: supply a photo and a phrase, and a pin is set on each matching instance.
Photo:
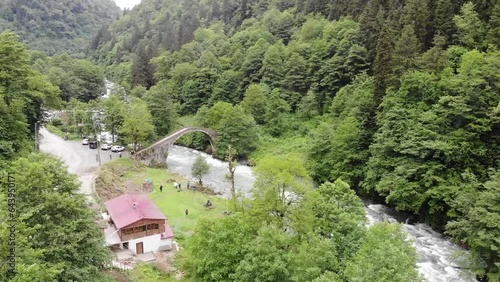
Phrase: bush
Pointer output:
(57, 122)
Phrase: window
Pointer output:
(152, 226)
(139, 229)
(128, 231)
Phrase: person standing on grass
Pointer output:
(187, 212)
(161, 188)
(187, 185)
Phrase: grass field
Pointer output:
(174, 203)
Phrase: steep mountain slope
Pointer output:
(56, 26)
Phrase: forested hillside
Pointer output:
(57, 26)
(47, 231)
(398, 98)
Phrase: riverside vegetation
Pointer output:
(397, 100)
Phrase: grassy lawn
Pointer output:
(121, 176)
(174, 203)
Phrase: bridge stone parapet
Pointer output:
(156, 154)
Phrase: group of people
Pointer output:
(178, 186)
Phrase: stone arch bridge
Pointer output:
(156, 154)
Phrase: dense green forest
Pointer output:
(400, 99)
(57, 26)
(54, 232)
(393, 99)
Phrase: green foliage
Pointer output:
(235, 128)
(340, 215)
(339, 146)
(311, 257)
(479, 225)
(444, 19)
(138, 123)
(431, 131)
(395, 255)
(281, 184)
(77, 79)
(276, 107)
(57, 26)
(23, 93)
(255, 102)
(57, 238)
(162, 108)
(267, 260)
(471, 30)
(424, 113)
(200, 168)
(217, 246)
(114, 114)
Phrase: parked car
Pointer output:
(93, 144)
(85, 141)
(106, 146)
(117, 148)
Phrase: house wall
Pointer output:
(151, 243)
(144, 222)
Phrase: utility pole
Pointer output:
(76, 123)
(37, 148)
(98, 140)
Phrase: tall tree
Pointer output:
(276, 109)
(339, 216)
(163, 110)
(384, 61)
(143, 69)
(494, 26)
(372, 21)
(479, 224)
(418, 15)
(396, 257)
(23, 93)
(253, 62)
(443, 20)
(138, 124)
(255, 102)
(57, 238)
(114, 114)
(200, 168)
(281, 184)
(273, 72)
(406, 52)
(231, 166)
(471, 30)
(217, 246)
(267, 260)
(339, 145)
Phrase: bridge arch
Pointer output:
(156, 154)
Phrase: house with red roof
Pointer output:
(137, 224)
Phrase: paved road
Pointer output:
(80, 160)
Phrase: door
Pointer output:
(139, 248)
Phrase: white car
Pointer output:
(85, 141)
(106, 146)
(117, 148)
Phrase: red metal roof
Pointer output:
(168, 232)
(128, 208)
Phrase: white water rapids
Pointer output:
(437, 261)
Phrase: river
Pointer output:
(436, 261)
